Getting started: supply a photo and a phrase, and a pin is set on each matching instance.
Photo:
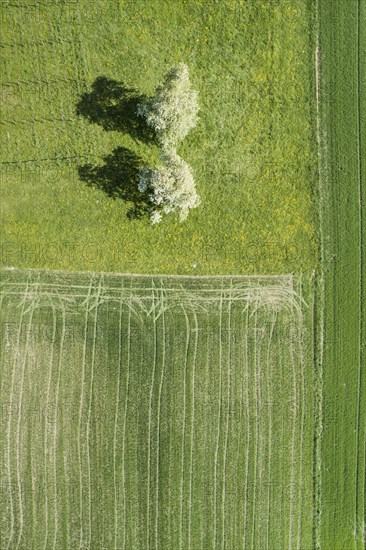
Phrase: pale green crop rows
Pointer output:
(155, 413)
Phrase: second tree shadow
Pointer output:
(113, 106)
(118, 178)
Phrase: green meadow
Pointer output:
(253, 152)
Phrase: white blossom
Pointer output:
(173, 112)
(142, 185)
(156, 217)
(171, 186)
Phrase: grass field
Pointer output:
(156, 413)
(253, 153)
(342, 132)
(146, 412)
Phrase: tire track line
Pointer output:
(55, 420)
(33, 103)
(168, 502)
(21, 517)
(303, 403)
(238, 382)
(158, 433)
(223, 496)
(294, 422)
(256, 392)
(192, 428)
(25, 294)
(261, 448)
(184, 425)
(149, 431)
(273, 324)
(81, 410)
(124, 427)
(205, 442)
(116, 421)
(91, 385)
(246, 359)
(54, 317)
(218, 419)
(33, 491)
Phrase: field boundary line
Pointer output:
(181, 290)
(250, 285)
(361, 277)
(319, 291)
(150, 275)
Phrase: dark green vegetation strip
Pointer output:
(343, 154)
(156, 413)
(252, 153)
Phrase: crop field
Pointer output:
(342, 42)
(64, 158)
(156, 412)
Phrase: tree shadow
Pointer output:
(113, 106)
(118, 178)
